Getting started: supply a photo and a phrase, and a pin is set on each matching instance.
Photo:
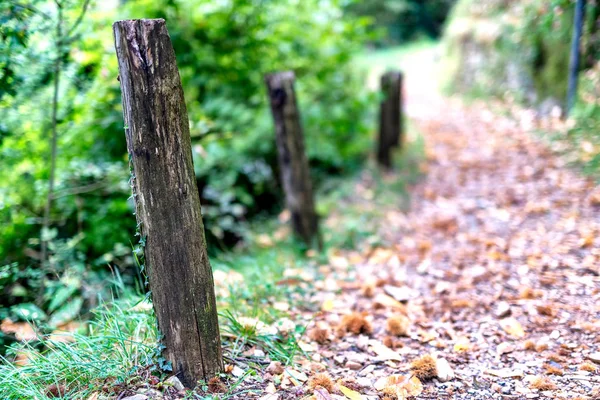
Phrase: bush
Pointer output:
(586, 114)
(223, 49)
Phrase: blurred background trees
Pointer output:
(402, 20)
(518, 51)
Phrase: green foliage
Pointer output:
(520, 51)
(586, 113)
(120, 346)
(403, 20)
(515, 50)
(548, 35)
(224, 48)
(120, 341)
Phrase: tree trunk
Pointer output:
(575, 54)
(390, 118)
(167, 199)
(293, 164)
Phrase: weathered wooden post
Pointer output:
(390, 117)
(575, 56)
(295, 174)
(167, 199)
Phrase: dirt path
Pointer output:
(494, 272)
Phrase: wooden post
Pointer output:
(390, 117)
(167, 199)
(575, 54)
(293, 164)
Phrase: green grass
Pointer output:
(121, 340)
(121, 344)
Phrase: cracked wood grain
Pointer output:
(167, 199)
(293, 164)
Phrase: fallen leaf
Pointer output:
(349, 393)
(23, 331)
(401, 294)
(388, 301)
(443, 370)
(462, 345)
(403, 385)
(327, 305)
(385, 353)
(296, 376)
(512, 327)
(271, 388)
(505, 373)
(413, 386)
(270, 396)
(321, 394)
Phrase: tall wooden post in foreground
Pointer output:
(579, 21)
(295, 174)
(167, 199)
(390, 118)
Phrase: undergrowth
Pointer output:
(121, 339)
(259, 286)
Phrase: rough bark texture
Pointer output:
(390, 117)
(167, 199)
(293, 164)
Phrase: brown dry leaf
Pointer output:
(271, 388)
(22, 357)
(61, 337)
(587, 240)
(388, 381)
(321, 394)
(403, 386)
(23, 331)
(296, 377)
(512, 327)
(385, 353)
(388, 301)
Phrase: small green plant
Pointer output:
(120, 341)
(280, 346)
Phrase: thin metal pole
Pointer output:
(575, 54)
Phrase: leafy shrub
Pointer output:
(517, 50)
(586, 114)
(223, 49)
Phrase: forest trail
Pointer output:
(494, 271)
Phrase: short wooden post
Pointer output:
(293, 164)
(390, 118)
(167, 199)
